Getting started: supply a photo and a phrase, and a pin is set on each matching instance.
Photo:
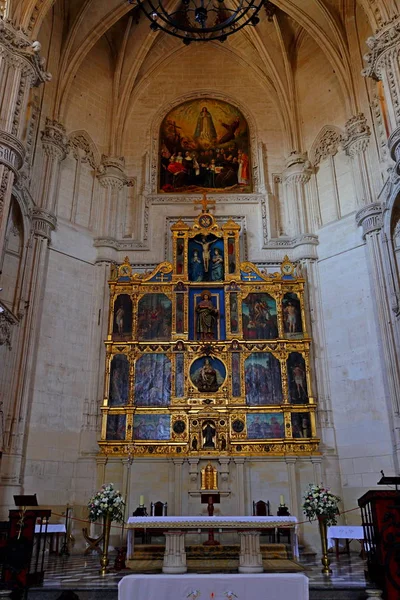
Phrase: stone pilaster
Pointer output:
(296, 177)
(239, 462)
(178, 462)
(370, 219)
(355, 143)
(112, 178)
(291, 471)
(224, 473)
(20, 69)
(55, 147)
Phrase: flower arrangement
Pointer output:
(107, 500)
(320, 502)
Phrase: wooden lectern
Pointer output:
(24, 562)
(380, 511)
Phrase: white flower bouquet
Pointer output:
(107, 501)
(320, 502)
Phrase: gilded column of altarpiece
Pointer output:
(207, 354)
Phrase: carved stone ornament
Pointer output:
(356, 138)
(12, 152)
(111, 172)
(44, 222)
(54, 139)
(370, 218)
(326, 145)
(384, 47)
(7, 320)
(17, 49)
(298, 169)
(394, 147)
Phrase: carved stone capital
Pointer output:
(111, 172)
(384, 48)
(54, 140)
(370, 218)
(43, 222)
(356, 137)
(19, 51)
(12, 152)
(298, 169)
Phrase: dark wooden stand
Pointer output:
(380, 511)
(210, 499)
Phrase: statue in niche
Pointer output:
(222, 443)
(209, 432)
(196, 267)
(194, 443)
(207, 315)
(217, 266)
(207, 378)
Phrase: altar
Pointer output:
(274, 586)
(249, 528)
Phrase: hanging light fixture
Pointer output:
(200, 20)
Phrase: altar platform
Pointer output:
(81, 575)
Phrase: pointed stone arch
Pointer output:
(82, 140)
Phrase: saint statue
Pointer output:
(207, 315)
(205, 131)
(196, 267)
(208, 438)
(206, 380)
(217, 266)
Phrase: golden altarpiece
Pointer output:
(207, 355)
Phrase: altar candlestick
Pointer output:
(141, 500)
(282, 500)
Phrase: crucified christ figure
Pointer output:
(206, 251)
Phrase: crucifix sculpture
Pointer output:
(205, 203)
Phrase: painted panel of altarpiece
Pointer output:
(296, 368)
(263, 379)
(151, 427)
(265, 426)
(259, 317)
(116, 427)
(154, 317)
(153, 380)
(119, 381)
(122, 322)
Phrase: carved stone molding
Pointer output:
(43, 222)
(111, 172)
(12, 152)
(384, 47)
(326, 144)
(370, 218)
(54, 140)
(356, 138)
(19, 51)
(7, 321)
(394, 147)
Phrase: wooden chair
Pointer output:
(157, 509)
(262, 509)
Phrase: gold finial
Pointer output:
(205, 203)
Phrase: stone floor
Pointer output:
(81, 574)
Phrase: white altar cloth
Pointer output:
(344, 532)
(234, 522)
(56, 528)
(271, 586)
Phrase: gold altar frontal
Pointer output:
(207, 355)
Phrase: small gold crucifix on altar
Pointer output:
(205, 203)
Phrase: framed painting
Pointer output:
(122, 322)
(291, 311)
(116, 426)
(204, 146)
(151, 427)
(118, 394)
(259, 317)
(153, 380)
(297, 380)
(301, 425)
(263, 379)
(154, 317)
(263, 426)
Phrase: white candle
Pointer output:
(282, 500)
(141, 501)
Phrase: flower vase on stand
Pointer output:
(323, 531)
(106, 541)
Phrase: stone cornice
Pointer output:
(16, 46)
(383, 45)
(370, 218)
(111, 172)
(298, 169)
(43, 222)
